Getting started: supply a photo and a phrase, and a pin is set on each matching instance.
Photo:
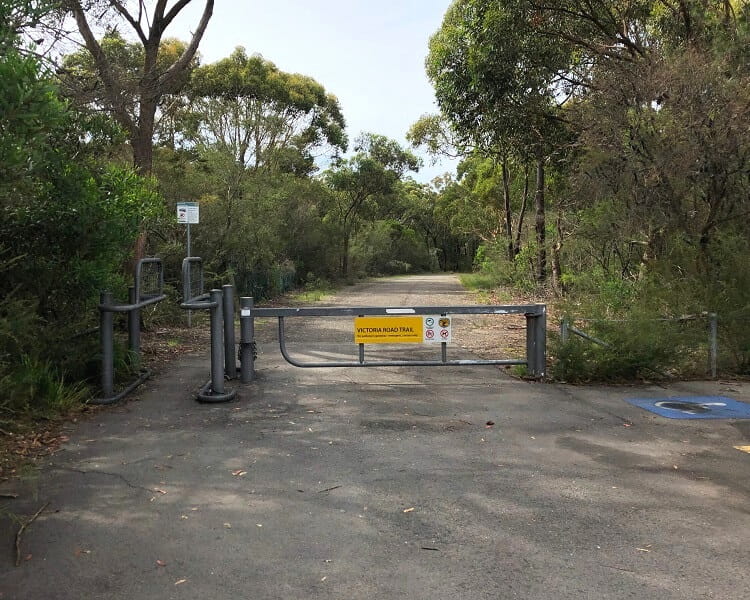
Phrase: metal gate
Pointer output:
(223, 357)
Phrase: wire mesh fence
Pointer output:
(149, 279)
(264, 284)
(685, 346)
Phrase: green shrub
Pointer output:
(67, 225)
(641, 346)
(478, 281)
(37, 389)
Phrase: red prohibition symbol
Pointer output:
(429, 334)
(444, 333)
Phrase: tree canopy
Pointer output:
(263, 117)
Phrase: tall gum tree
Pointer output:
(500, 84)
(266, 119)
(135, 109)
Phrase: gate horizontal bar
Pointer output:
(322, 311)
(384, 363)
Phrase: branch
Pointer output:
(173, 12)
(117, 5)
(22, 529)
(102, 64)
(171, 75)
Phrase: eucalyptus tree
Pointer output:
(131, 79)
(501, 85)
(265, 119)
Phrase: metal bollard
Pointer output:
(106, 336)
(536, 343)
(217, 347)
(247, 340)
(230, 356)
(134, 324)
(541, 343)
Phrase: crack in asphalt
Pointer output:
(122, 478)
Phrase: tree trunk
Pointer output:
(540, 224)
(522, 214)
(345, 256)
(142, 141)
(142, 138)
(508, 215)
(556, 257)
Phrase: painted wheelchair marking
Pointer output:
(688, 408)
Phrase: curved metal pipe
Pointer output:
(129, 307)
(207, 396)
(114, 399)
(387, 363)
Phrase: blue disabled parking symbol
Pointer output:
(694, 407)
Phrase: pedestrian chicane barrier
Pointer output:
(428, 325)
(147, 289)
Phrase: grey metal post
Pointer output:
(444, 347)
(106, 336)
(217, 347)
(536, 343)
(189, 253)
(134, 324)
(361, 351)
(230, 355)
(713, 341)
(247, 340)
(530, 354)
(540, 335)
(564, 331)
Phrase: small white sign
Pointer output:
(437, 329)
(187, 212)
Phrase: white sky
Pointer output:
(370, 54)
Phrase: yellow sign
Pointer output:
(388, 330)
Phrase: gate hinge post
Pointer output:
(247, 340)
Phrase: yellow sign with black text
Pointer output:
(388, 330)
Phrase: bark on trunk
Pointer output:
(524, 204)
(556, 258)
(508, 215)
(540, 225)
(142, 139)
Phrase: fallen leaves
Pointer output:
(408, 510)
(160, 563)
(239, 473)
(180, 581)
(17, 448)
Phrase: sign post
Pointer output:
(188, 213)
